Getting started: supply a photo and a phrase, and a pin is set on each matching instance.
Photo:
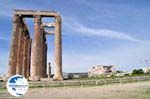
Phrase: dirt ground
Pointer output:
(125, 91)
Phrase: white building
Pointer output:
(65, 75)
(100, 70)
(146, 70)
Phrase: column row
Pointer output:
(19, 60)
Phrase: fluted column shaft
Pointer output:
(58, 49)
(14, 46)
(36, 55)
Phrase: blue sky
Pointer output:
(95, 32)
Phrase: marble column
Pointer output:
(43, 53)
(29, 56)
(20, 50)
(25, 53)
(36, 59)
(58, 49)
(49, 70)
(14, 46)
(44, 60)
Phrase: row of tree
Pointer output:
(137, 71)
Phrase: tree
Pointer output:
(139, 71)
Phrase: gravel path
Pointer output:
(126, 91)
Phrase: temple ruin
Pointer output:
(29, 57)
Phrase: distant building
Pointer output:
(78, 75)
(122, 74)
(65, 76)
(101, 71)
(146, 70)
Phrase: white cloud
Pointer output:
(88, 31)
(124, 58)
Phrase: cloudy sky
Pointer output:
(95, 32)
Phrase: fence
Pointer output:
(84, 83)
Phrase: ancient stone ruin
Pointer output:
(29, 57)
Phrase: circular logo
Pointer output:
(17, 85)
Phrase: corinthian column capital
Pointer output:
(58, 18)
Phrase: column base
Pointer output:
(34, 78)
(58, 78)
